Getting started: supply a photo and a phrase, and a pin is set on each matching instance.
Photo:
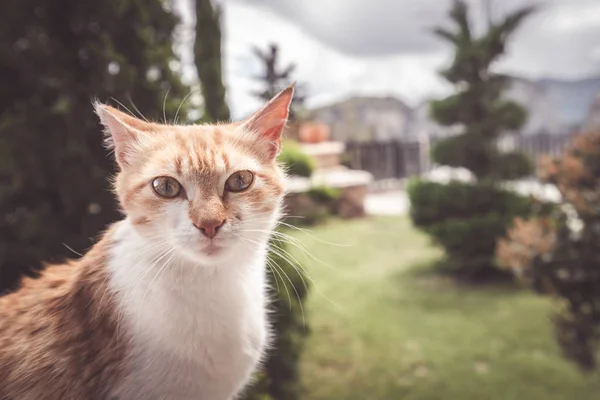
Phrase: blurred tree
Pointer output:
(482, 113)
(478, 107)
(274, 80)
(55, 56)
(207, 54)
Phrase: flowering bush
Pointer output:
(525, 240)
(561, 255)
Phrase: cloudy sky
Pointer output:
(344, 48)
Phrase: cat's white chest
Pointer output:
(193, 336)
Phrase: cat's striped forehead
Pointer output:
(201, 152)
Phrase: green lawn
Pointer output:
(383, 327)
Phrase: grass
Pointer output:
(383, 327)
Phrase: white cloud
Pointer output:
(382, 47)
(328, 73)
(560, 40)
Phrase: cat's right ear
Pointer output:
(123, 132)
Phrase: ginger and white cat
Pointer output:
(171, 303)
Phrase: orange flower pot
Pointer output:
(313, 132)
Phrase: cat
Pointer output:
(171, 302)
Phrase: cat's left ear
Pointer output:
(269, 121)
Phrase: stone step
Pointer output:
(337, 177)
(325, 154)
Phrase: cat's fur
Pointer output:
(156, 309)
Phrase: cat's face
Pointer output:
(204, 191)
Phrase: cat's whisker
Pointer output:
(269, 218)
(297, 294)
(158, 257)
(122, 105)
(300, 246)
(160, 269)
(277, 268)
(271, 268)
(313, 282)
(309, 234)
(107, 289)
(136, 109)
(288, 257)
(160, 251)
(165, 104)
(300, 271)
(73, 251)
(176, 119)
(298, 265)
(146, 271)
(181, 273)
(281, 239)
(290, 262)
(295, 242)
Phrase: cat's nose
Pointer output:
(210, 227)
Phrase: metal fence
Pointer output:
(391, 161)
(542, 144)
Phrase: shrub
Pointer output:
(323, 203)
(295, 161)
(313, 206)
(433, 201)
(324, 194)
(466, 219)
(565, 259)
(279, 378)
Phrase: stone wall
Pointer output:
(350, 204)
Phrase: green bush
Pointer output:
(295, 161)
(279, 378)
(323, 204)
(324, 194)
(465, 219)
(433, 201)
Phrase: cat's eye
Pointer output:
(167, 187)
(239, 181)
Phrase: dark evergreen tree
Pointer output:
(467, 219)
(479, 107)
(55, 56)
(207, 54)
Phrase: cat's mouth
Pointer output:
(212, 248)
